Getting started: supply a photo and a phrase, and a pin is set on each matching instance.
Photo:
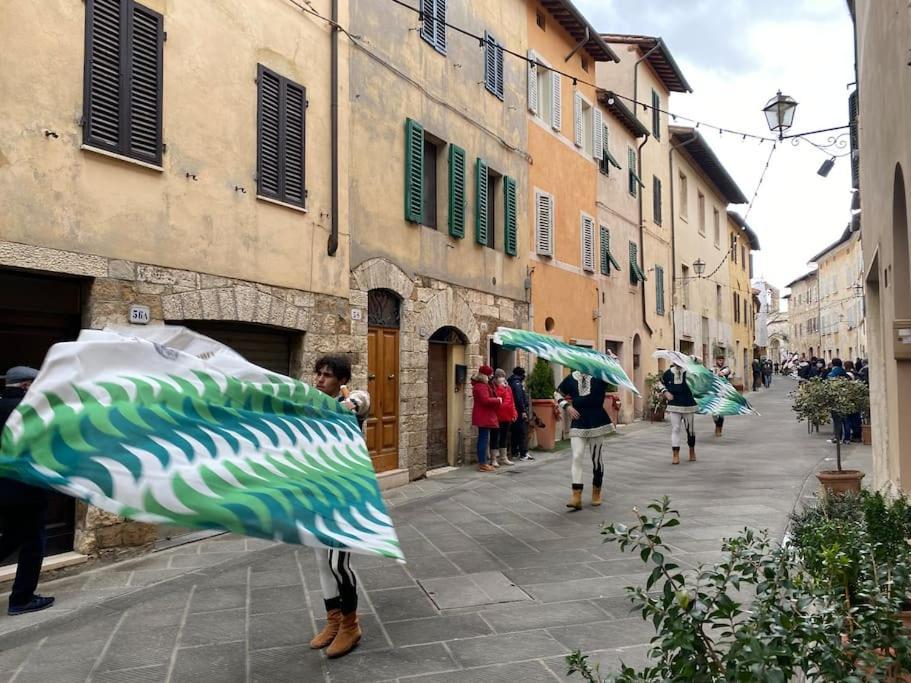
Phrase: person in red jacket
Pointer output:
(484, 412)
(506, 414)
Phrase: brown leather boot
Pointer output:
(692, 454)
(675, 459)
(325, 637)
(575, 502)
(349, 635)
(596, 495)
(717, 430)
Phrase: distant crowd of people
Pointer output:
(847, 429)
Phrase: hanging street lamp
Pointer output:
(699, 267)
(779, 113)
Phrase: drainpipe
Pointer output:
(642, 234)
(579, 46)
(639, 172)
(670, 166)
(332, 247)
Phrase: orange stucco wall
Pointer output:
(560, 289)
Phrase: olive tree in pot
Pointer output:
(818, 400)
(541, 388)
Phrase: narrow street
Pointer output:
(501, 582)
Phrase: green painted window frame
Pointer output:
(480, 227)
(458, 202)
(414, 171)
(510, 217)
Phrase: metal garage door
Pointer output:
(265, 346)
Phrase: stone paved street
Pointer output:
(501, 581)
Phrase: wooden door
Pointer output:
(438, 413)
(382, 426)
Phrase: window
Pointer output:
(544, 91)
(587, 229)
(539, 19)
(433, 23)
(429, 184)
(124, 60)
(746, 315)
(656, 115)
(743, 258)
(634, 181)
(684, 196)
(716, 225)
(635, 271)
(736, 307)
(700, 204)
(544, 224)
(607, 159)
(734, 248)
(656, 199)
(718, 304)
(281, 122)
(486, 181)
(607, 257)
(659, 290)
(584, 62)
(493, 65)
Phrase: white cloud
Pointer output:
(736, 55)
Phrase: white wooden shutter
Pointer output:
(544, 223)
(588, 244)
(577, 118)
(532, 83)
(557, 99)
(597, 134)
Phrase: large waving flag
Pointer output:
(714, 395)
(587, 361)
(174, 428)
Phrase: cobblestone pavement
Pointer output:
(501, 580)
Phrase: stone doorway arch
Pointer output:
(446, 386)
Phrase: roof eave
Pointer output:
(691, 139)
(677, 81)
(602, 52)
(616, 106)
(750, 233)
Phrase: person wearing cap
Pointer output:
(720, 370)
(22, 511)
(583, 395)
(484, 412)
(681, 406)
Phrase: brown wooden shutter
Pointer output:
(268, 172)
(145, 40)
(103, 74)
(293, 126)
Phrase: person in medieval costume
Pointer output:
(342, 631)
(681, 406)
(583, 395)
(720, 370)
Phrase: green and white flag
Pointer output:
(586, 361)
(175, 428)
(714, 395)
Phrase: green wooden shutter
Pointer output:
(510, 235)
(414, 171)
(633, 263)
(659, 290)
(656, 115)
(605, 250)
(456, 191)
(656, 199)
(633, 179)
(481, 227)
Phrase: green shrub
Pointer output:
(541, 383)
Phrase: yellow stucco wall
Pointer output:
(803, 307)
(744, 330)
(405, 77)
(560, 289)
(60, 196)
(698, 298)
(842, 333)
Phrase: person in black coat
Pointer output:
(518, 440)
(22, 511)
(681, 406)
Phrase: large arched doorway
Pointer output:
(901, 273)
(446, 374)
(382, 426)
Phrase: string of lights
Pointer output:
(759, 184)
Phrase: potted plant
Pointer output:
(848, 537)
(541, 387)
(656, 400)
(760, 614)
(815, 402)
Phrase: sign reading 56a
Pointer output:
(139, 315)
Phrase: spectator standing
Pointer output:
(519, 438)
(506, 414)
(484, 413)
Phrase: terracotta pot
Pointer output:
(866, 432)
(546, 435)
(834, 481)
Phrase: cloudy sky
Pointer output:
(736, 54)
